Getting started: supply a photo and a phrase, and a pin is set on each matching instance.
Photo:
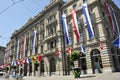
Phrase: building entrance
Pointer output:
(115, 59)
(96, 61)
(52, 66)
(42, 68)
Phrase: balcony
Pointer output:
(51, 22)
(51, 36)
(50, 51)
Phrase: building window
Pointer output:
(41, 48)
(51, 31)
(42, 36)
(71, 42)
(51, 45)
(75, 7)
(84, 1)
(81, 38)
(66, 12)
(70, 27)
(108, 33)
(36, 50)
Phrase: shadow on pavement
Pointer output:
(88, 76)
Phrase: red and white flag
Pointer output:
(23, 60)
(100, 45)
(58, 53)
(110, 17)
(76, 30)
(24, 46)
(69, 50)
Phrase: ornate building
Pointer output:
(49, 38)
(2, 55)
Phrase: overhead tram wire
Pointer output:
(10, 6)
(13, 1)
(35, 3)
(28, 9)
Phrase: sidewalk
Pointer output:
(102, 76)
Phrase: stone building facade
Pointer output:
(49, 37)
(2, 55)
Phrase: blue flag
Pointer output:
(28, 60)
(64, 22)
(115, 21)
(34, 41)
(83, 48)
(116, 42)
(88, 20)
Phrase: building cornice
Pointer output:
(41, 16)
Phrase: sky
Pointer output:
(15, 13)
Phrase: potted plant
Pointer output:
(76, 72)
(74, 56)
(36, 67)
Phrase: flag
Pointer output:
(116, 42)
(76, 30)
(13, 63)
(65, 28)
(40, 58)
(24, 46)
(110, 18)
(88, 21)
(17, 49)
(83, 48)
(1, 66)
(69, 50)
(21, 46)
(18, 62)
(58, 53)
(28, 60)
(34, 40)
(100, 44)
(115, 20)
(23, 60)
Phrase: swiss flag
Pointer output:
(40, 57)
(18, 62)
(23, 60)
(100, 45)
(1, 66)
(58, 53)
(69, 50)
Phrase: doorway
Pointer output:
(52, 66)
(96, 57)
(42, 68)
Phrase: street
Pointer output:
(102, 76)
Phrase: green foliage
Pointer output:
(76, 74)
(75, 55)
(36, 63)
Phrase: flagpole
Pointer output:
(63, 54)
